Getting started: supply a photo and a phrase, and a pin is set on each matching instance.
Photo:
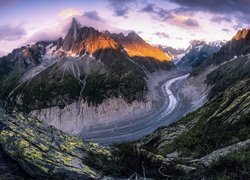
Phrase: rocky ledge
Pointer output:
(45, 152)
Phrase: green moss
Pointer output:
(43, 168)
(233, 166)
(224, 120)
(88, 171)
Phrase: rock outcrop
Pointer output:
(198, 52)
(44, 152)
(239, 45)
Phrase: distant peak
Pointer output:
(106, 32)
(134, 37)
(75, 23)
(133, 34)
(241, 34)
(197, 42)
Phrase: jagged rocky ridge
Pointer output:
(173, 52)
(197, 53)
(211, 142)
(81, 78)
(40, 151)
(141, 51)
(239, 45)
(218, 128)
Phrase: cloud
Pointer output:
(236, 10)
(11, 33)
(93, 15)
(226, 30)
(44, 35)
(215, 6)
(121, 7)
(220, 19)
(180, 17)
(149, 8)
(68, 12)
(191, 22)
(88, 18)
(162, 35)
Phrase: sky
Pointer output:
(167, 22)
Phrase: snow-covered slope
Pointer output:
(197, 52)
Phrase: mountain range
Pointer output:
(50, 92)
(83, 57)
(171, 51)
(87, 71)
(197, 52)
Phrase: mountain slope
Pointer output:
(45, 152)
(149, 56)
(83, 80)
(84, 55)
(239, 45)
(222, 121)
(189, 149)
(197, 52)
(171, 51)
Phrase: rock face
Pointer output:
(150, 57)
(23, 58)
(210, 158)
(10, 169)
(85, 79)
(216, 135)
(188, 149)
(222, 121)
(198, 52)
(45, 152)
(171, 51)
(86, 118)
(239, 45)
(136, 46)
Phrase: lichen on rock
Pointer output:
(46, 152)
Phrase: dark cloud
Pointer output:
(121, 7)
(162, 35)
(93, 15)
(216, 6)
(226, 30)
(7, 3)
(220, 19)
(191, 22)
(150, 8)
(11, 33)
(238, 10)
(171, 16)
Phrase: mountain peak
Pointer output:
(241, 34)
(132, 35)
(197, 42)
(71, 36)
(75, 23)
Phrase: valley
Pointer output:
(124, 90)
(172, 108)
